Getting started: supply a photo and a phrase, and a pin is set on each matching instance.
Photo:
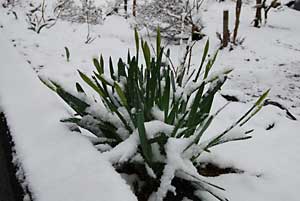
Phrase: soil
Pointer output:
(10, 188)
(213, 170)
(184, 188)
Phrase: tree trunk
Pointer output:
(257, 20)
(125, 6)
(237, 19)
(225, 28)
(134, 8)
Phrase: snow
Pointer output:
(61, 165)
(269, 158)
(58, 164)
(269, 56)
(123, 151)
(157, 113)
(182, 167)
(128, 148)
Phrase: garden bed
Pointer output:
(57, 164)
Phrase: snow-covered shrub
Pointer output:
(39, 18)
(150, 121)
(83, 11)
(7, 3)
(177, 19)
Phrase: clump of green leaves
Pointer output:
(151, 119)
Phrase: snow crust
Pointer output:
(58, 164)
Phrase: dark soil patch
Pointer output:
(10, 188)
(146, 185)
(213, 170)
(270, 126)
(230, 98)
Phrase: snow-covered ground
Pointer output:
(57, 164)
(268, 58)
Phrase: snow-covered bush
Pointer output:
(83, 11)
(150, 121)
(7, 3)
(39, 17)
(177, 19)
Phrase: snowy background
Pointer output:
(62, 166)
